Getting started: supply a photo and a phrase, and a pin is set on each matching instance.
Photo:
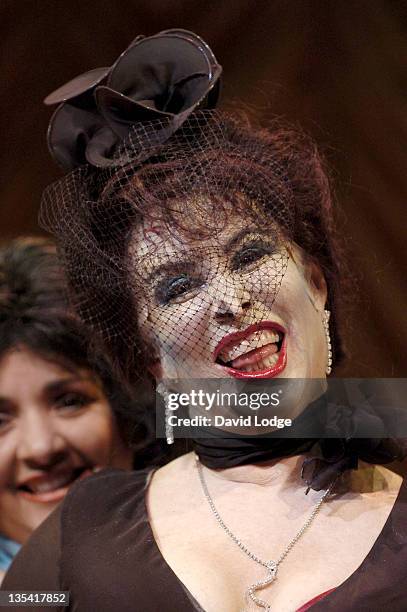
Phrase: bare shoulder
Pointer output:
(179, 469)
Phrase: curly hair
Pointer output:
(225, 159)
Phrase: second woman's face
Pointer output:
(56, 426)
(240, 304)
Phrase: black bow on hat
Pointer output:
(167, 76)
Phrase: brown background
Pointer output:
(337, 67)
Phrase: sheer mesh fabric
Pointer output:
(199, 222)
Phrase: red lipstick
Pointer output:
(236, 337)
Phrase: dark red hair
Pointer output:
(94, 213)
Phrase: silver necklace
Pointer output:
(271, 566)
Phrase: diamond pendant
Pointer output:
(260, 584)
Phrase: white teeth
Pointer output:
(268, 362)
(51, 484)
(267, 337)
(254, 341)
(243, 347)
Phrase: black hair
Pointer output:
(35, 314)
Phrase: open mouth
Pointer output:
(51, 487)
(256, 352)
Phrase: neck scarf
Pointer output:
(338, 445)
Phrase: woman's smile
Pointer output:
(56, 428)
(52, 486)
(243, 305)
(259, 351)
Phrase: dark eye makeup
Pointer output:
(250, 253)
(180, 284)
(176, 288)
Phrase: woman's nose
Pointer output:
(40, 444)
(230, 300)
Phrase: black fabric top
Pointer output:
(99, 546)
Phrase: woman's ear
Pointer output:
(317, 287)
(315, 282)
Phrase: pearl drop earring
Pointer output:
(325, 321)
(169, 433)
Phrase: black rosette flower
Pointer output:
(166, 76)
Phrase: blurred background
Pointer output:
(339, 69)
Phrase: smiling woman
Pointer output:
(203, 247)
(45, 446)
(215, 223)
(57, 424)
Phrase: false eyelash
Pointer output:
(263, 248)
(163, 292)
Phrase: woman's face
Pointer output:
(56, 426)
(240, 304)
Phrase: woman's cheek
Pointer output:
(186, 329)
(266, 281)
(91, 433)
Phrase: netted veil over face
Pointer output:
(179, 224)
(198, 245)
(176, 242)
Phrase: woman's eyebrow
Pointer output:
(238, 237)
(61, 384)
